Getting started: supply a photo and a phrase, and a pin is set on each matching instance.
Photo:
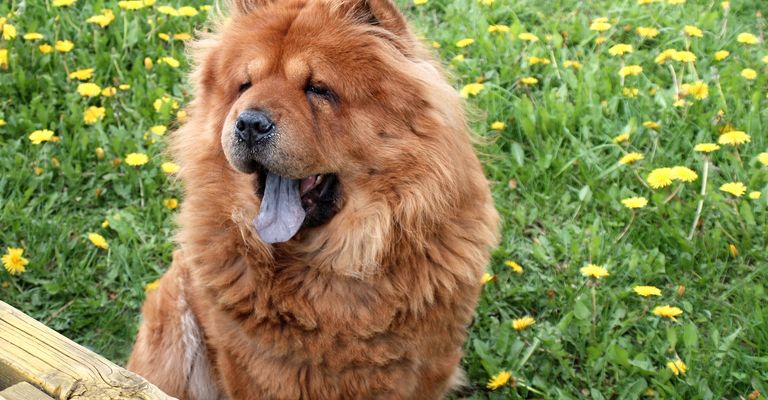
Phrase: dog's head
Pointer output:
(341, 116)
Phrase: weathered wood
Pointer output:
(23, 391)
(31, 352)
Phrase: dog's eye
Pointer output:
(243, 87)
(320, 90)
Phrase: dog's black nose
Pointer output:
(254, 125)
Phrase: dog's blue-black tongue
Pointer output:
(281, 213)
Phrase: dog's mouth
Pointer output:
(287, 204)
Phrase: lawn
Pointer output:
(625, 141)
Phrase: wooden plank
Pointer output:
(32, 352)
(23, 391)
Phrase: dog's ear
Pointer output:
(243, 7)
(382, 13)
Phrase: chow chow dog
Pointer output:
(336, 221)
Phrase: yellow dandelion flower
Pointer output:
(14, 262)
(679, 103)
(498, 28)
(514, 266)
(725, 5)
(763, 158)
(594, 271)
(533, 60)
(124, 86)
(81, 74)
(600, 25)
(735, 188)
(699, 90)
(645, 2)
(693, 31)
(528, 37)
(634, 202)
(108, 91)
(104, 19)
(706, 147)
(9, 31)
(629, 158)
(168, 10)
(647, 32)
(158, 130)
(667, 312)
(40, 136)
(734, 138)
(169, 167)
(630, 91)
(4, 58)
(684, 174)
(45, 48)
(136, 159)
(620, 49)
(471, 89)
(33, 36)
(182, 36)
(486, 278)
(93, 114)
(187, 11)
(621, 138)
(88, 89)
(665, 55)
(151, 286)
(630, 70)
(733, 250)
(660, 177)
(181, 116)
(754, 195)
(498, 125)
(63, 46)
(99, 153)
(652, 125)
(170, 61)
(529, 80)
(646, 291)
(98, 241)
(465, 42)
(747, 38)
(677, 366)
(130, 5)
(600, 40)
(675, 2)
(170, 204)
(522, 323)
(749, 73)
(458, 58)
(722, 55)
(63, 3)
(572, 64)
(498, 380)
(684, 56)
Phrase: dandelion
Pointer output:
(749, 73)
(151, 286)
(45, 48)
(93, 114)
(9, 31)
(706, 147)
(14, 262)
(646, 291)
(698, 90)
(169, 167)
(533, 60)
(130, 5)
(465, 42)
(522, 323)
(498, 28)
(528, 37)
(594, 271)
(498, 380)
(514, 266)
(621, 138)
(458, 58)
(660, 177)
(182, 36)
(722, 55)
(124, 86)
(735, 188)
(40, 136)
(136, 159)
(630, 70)
(4, 58)
(169, 61)
(63, 3)
(158, 130)
(630, 91)
(98, 241)
(170, 204)
(33, 36)
(634, 202)
(81, 74)
(88, 89)
(181, 116)
(665, 55)
(733, 250)
(104, 19)
(600, 25)
(620, 49)
(677, 366)
(684, 174)
(747, 38)
(647, 32)
(99, 153)
(572, 64)
(675, 2)
(679, 103)
(667, 311)
(652, 125)
(498, 125)
(600, 40)
(471, 89)
(630, 158)
(108, 91)
(529, 80)
(684, 56)
(754, 195)
(63, 46)
(763, 158)
(187, 11)
(486, 278)
(693, 31)
(734, 138)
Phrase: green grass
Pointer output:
(556, 179)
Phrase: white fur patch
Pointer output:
(197, 368)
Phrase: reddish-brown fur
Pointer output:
(375, 303)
